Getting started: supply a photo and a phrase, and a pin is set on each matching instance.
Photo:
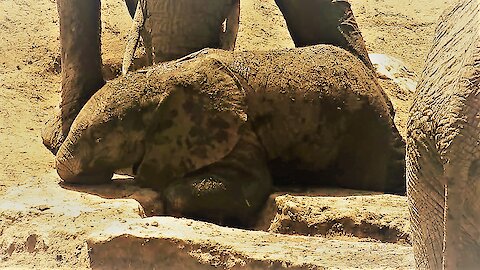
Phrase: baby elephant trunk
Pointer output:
(71, 170)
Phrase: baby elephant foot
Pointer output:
(212, 198)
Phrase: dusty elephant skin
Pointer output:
(443, 153)
(81, 64)
(212, 130)
(171, 29)
(324, 22)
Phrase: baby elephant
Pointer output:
(213, 131)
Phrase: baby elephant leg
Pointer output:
(230, 191)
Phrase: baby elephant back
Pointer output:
(323, 118)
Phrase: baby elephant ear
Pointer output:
(196, 125)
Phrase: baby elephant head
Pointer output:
(107, 135)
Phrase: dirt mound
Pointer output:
(377, 217)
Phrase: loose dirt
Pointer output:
(34, 230)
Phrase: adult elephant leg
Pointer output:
(312, 22)
(229, 37)
(425, 190)
(443, 150)
(462, 216)
(81, 64)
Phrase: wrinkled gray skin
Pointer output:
(174, 27)
(443, 151)
(171, 29)
(312, 22)
(212, 130)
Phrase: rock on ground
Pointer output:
(66, 228)
(379, 217)
(169, 243)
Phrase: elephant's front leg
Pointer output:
(81, 64)
(230, 191)
(426, 201)
(462, 209)
(443, 153)
(312, 22)
(147, 43)
(229, 37)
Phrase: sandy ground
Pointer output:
(30, 81)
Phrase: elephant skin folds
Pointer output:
(443, 149)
